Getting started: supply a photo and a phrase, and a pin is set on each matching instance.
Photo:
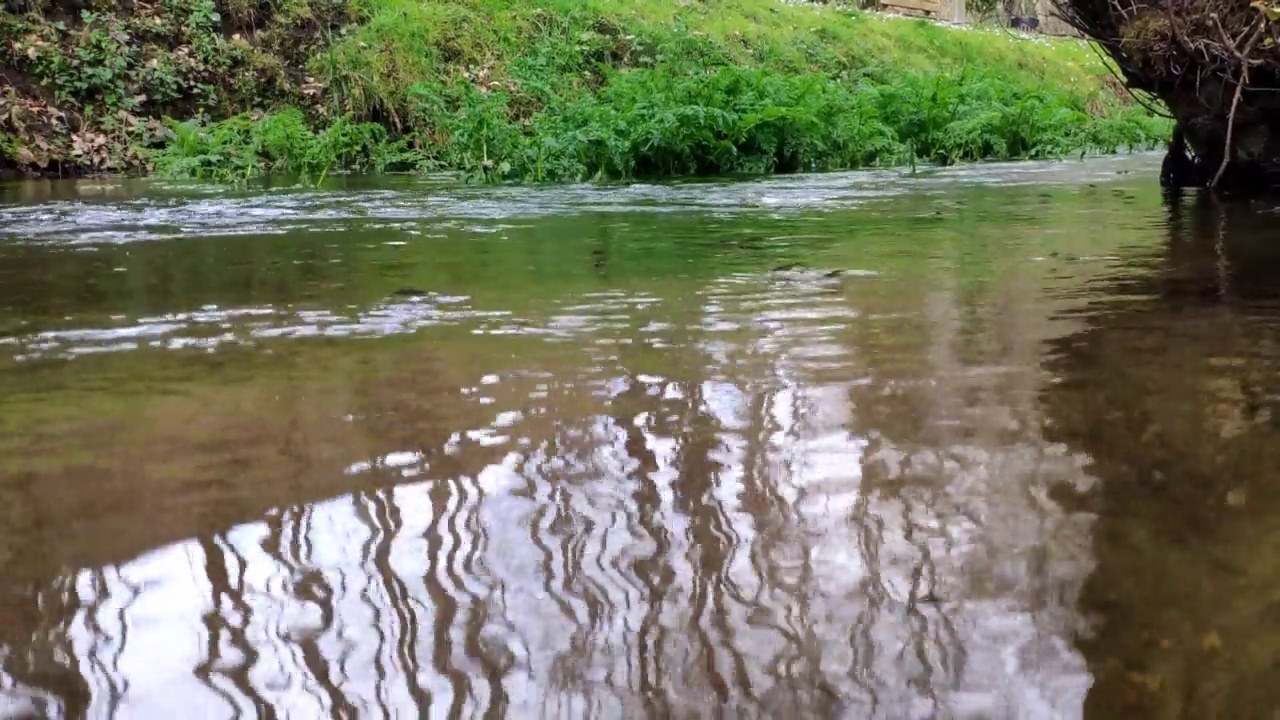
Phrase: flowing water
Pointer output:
(996, 442)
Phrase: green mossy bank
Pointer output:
(554, 90)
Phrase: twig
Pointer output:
(1123, 10)
(1151, 106)
(1220, 249)
(1175, 29)
(1231, 126)
(1235, 101)
(1231, 44)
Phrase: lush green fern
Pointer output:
(582, 89)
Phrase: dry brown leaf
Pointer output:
(1150, 681)
(1211, 641)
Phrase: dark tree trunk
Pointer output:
(1254, 155)
(1214, 63)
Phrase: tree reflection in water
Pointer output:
(1174, 393)
(773, 495)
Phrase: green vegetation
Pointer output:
(245, 146)
(88, 82)
(556, 90)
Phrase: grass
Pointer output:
(580, 89)
(405, 42)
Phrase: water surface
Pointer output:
(995, 442)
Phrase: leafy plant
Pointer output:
(282, 143)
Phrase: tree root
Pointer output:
(1189, 54)
(1245, 62)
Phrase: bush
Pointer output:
(661, 122)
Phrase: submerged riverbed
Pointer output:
(994, 442)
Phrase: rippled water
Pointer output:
(996, 442)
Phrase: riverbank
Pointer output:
(569, 90)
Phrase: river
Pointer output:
(999, 441)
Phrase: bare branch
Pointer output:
(1243, 80)
(1231, 123)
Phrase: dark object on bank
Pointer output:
(67, 7)
(409, 292)
(1030, 24)
(1179, 169)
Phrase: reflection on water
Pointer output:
(1174, 394)
(957, 451)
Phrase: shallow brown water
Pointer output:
(1001, 442)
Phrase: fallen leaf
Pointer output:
(1211, 641)
(1236, 498)
(1272, 12)
(1150, 682)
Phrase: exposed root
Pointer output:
(1245, 62)
(1231, 127)
(1214, 63)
